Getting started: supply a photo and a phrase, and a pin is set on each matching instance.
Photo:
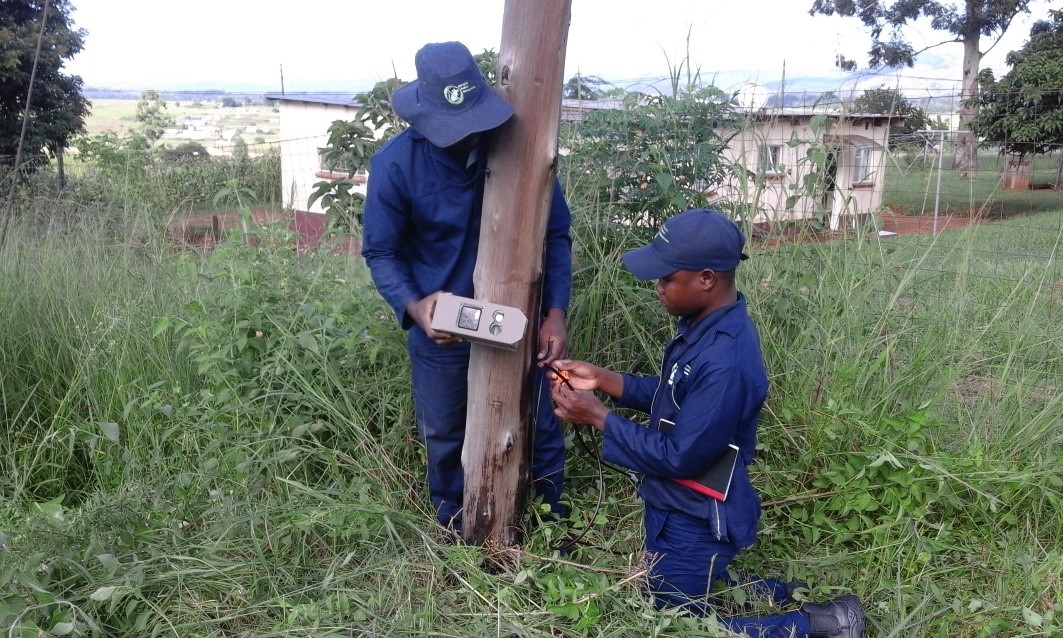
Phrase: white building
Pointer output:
(809, 163)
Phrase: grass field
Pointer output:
(221, 444)
(912, 187)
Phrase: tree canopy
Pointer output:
(889, 101)
(57, 109)
(965, 25)
(153, 116)
(1022, 113)
(583, 87)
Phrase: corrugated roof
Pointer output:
(333, 98)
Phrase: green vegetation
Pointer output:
(654, 156)
(912, 187)
(222, 443)
(36, 39)
(1022, 113)
(194, 118)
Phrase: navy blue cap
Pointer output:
(450, 99)
(696, 240)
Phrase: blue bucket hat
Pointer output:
(696, 240)
(450, 99)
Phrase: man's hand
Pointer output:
(578, 407)
(553, 336)
(580, 375)
(421, 312)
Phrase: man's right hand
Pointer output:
(421, 312)
(580, 375)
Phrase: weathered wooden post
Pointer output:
(497, 453)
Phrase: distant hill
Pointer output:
(93, 93)
(933, 96)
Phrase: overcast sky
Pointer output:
(347, 45)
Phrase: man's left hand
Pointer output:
(553, 336)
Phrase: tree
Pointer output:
(57, 109)
(152, 116)
(889, 101)
(487, 61)
(977, 18)
(1022, 113)
(351, 144)
(583, 87)
(240, 152)
(376, 112)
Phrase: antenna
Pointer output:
(782, 89)
(282, 79)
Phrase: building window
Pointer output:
(335, 166)
(771, 160)
(862, 173)
(338, 169)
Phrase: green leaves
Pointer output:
(654, 156)
(1022, 113)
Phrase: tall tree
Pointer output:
(30, 54)
(583, 87)
(977, 18)
(1022, 113)
(892, 102)
(153, 116)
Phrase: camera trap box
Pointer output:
(484, 322)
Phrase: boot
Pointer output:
(842, 617)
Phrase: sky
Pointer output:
(337, 45)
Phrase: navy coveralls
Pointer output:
(421, 234)
(709, 394)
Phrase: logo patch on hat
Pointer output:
(456, 94)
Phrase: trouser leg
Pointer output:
(440, 378)
(686, 559)
(440, 392)
(548, 450)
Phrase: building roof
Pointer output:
(803, 114)
(331, 98)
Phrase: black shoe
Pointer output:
(842, 617)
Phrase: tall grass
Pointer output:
(222, 444)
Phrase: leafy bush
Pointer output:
(185, 152)
(653, 157)
(269, 320)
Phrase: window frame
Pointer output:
(862, 172)
(770, 160)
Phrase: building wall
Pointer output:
(304, 130)
(779, 195)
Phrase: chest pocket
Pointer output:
(676, 385)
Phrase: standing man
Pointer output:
(421, 236)
(707, 398)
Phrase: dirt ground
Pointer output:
(924, 224)
(205, 230)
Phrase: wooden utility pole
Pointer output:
(497, 451)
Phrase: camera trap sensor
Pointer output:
(484, 322)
